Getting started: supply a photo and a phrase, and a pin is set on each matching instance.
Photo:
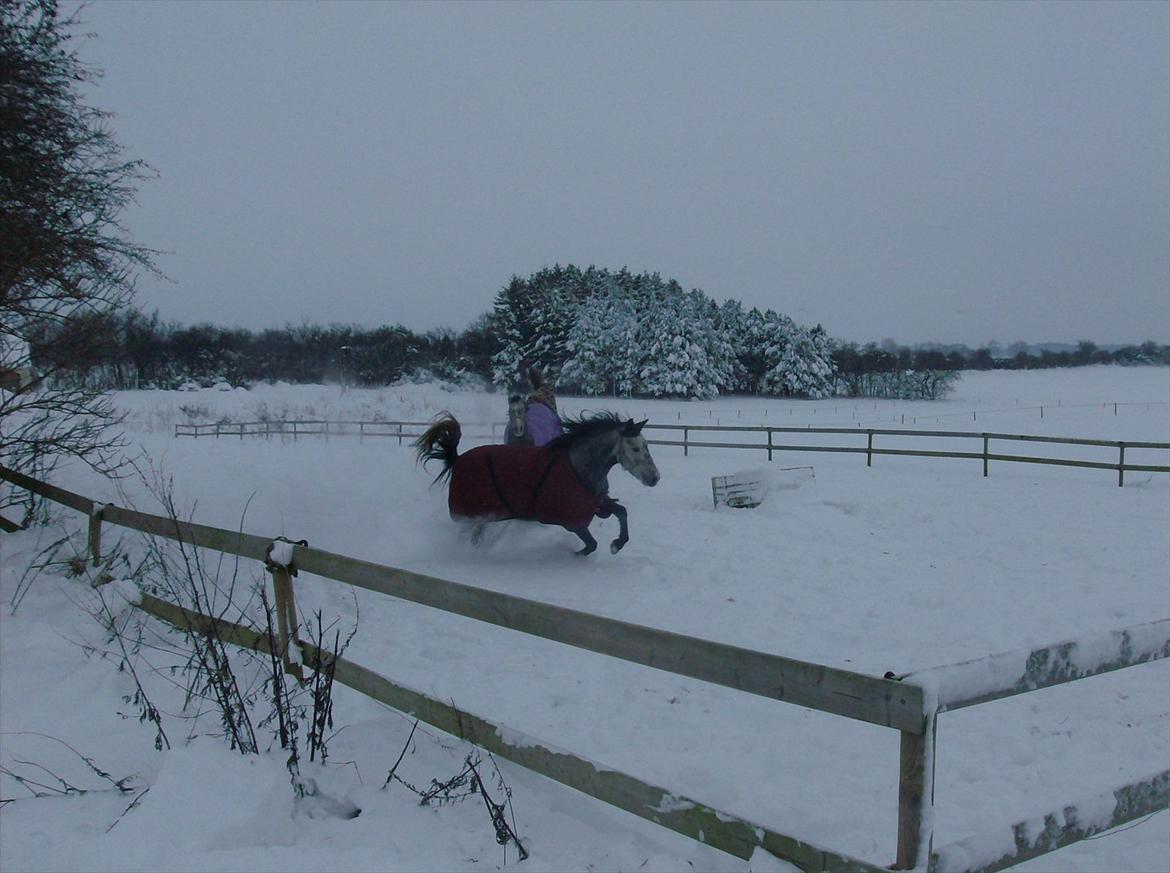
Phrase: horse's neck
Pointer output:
(592, 459)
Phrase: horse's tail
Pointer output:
(440, 442)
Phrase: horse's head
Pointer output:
(517, 416)
(634, 454)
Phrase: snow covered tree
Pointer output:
(821, 347)
(603, 345)
(533, 318)
(804, 367)
(511, 320)
(683, 354)
(730, 322)
(752, 354)
(776, 337)
(557, 293)
(601, 332)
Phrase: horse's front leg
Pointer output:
(587, 539)
(612, 507)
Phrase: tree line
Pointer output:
(592, 331)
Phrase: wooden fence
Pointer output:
(408, 430)
(909, 704)
(402, 430)
(869, 450)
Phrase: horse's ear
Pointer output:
(632, 428)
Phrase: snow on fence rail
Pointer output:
(909, 704)
(396, 429)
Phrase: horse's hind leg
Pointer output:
(477, 532)
(587, 539)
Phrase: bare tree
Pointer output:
(66, 264)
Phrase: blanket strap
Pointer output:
(496, 484)
(543, 479)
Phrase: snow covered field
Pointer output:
(909, 564)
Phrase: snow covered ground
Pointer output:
(909, 564)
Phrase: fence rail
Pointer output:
(313, 427)
(903, 704)
(680, 814)
(409, 430)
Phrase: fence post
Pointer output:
(769, 444)
(286, 618)
(217, 430)
(95, 533)
(869, 449)
(686, 439)
(1121, 465)
(294, 424)
(985, 456)
(400, 433)
(916, 796)
(361, 431)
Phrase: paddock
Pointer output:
(900, 567)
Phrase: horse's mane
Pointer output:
(578, 429)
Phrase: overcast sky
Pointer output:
(922, 171)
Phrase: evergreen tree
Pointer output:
(603, 345)
(556, 295)
(776, 336)
(684, 356)
(731, 322)
(753, 347)
(514, 331)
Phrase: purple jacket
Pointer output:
(543, 424)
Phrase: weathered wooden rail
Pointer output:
(909, 704)
(409, 430)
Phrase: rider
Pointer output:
(544, 424)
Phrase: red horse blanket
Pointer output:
(528, 482)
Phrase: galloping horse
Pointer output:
(565, 482)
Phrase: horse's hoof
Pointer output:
(588, 550)
(615, 547)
